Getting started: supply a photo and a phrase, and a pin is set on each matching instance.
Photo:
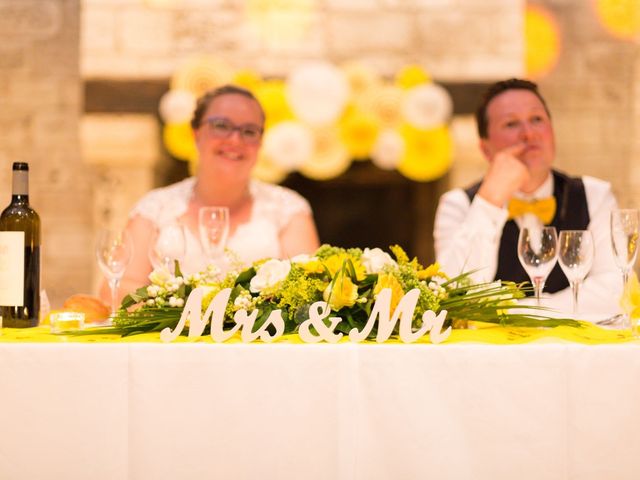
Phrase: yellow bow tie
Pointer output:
(544, 208)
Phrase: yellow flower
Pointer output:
(431, 271)
(341, 292)
(388, 280)
(630, 301)
(314, 266)
(335, 263)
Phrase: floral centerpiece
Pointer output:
(348, 280)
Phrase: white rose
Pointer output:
(374, 259)
(160, 276)
(269, 275)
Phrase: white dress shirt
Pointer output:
(467, 237)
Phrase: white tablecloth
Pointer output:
(192, 411)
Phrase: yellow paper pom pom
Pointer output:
(412, 75)
(179, 141)
(542, 41)
(272, 97)
(267, 170)
(621, 18)
(200, 74)
(247, 79)
(428, 153)
(330, 157)
(358, 132)
(361, 80)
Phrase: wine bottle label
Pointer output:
(11, 268)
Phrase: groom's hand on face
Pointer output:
(506, 175)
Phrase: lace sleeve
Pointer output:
(164, 205)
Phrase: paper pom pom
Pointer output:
(272, 97)
(358, 132)
(428, 153)
(388, 150)
(317, 93)
(361, 79)
(179, 141)
(177, 106)
(427, 106)
(330, 158)
(200, 74)
(384, 102)
(267, 171)
(246, 79)
(412, 76)
(288, 145)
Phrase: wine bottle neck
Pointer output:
(20, 185)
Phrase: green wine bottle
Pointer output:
(20, 256)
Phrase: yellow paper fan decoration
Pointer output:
(358, 132)
(428, 153)
(179, 141)
(246, 78)
(385, 103)
(621, 18)
(542, 41)
(200, 74)
(267, 170)
(272, 97)
(330, 157)
(412, 75)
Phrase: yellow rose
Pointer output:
(341, 292)
(335, 263)
(388, 280)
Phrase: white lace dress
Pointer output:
(273, 208)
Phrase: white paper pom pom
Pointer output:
(317, 93)
(388, 150)
(177, 106)
(427, 106)
(288, 144)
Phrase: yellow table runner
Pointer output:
(486, 333)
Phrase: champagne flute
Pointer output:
(168, 243)
(575, 253)
(624, 243)
(213, 223)
(114, 251)
(538, 253)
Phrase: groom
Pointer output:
(477, 228)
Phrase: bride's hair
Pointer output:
(205, 100)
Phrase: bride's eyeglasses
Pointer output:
(220, 127)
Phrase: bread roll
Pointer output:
(93, 308)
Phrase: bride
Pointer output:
(265, 220)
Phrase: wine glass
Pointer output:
(575, 252)
(168, 243)
(114, 251)
(213, 223)
(538, 253)
(624, 243)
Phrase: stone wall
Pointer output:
(40, 104)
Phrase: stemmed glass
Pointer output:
(576, 257)
(538, 253)
(114, 250)
(624, 243)
(213, 223)
(167, 245)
